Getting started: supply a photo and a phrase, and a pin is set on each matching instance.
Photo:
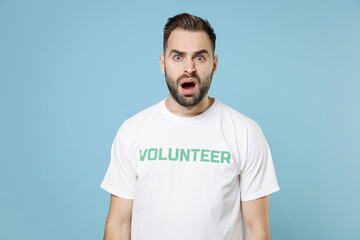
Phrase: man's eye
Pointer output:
(200, 58)
(177, 57)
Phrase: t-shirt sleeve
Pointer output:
(120, 178)
(258, 177)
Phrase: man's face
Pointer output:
(188, 65)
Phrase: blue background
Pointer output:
(72, 71)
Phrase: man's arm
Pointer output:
(118, 223)
(256, 218)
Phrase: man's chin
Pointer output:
(188, 100)
(185, 100)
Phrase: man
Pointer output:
(189, 167)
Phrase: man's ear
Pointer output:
(162, 63)
(215, 64)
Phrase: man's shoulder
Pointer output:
(239, 120)
(137, 120)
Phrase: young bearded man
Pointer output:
(189, 167)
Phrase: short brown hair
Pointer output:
(191, 23)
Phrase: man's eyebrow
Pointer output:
(202, 51)
(176, 52)
(196, 53)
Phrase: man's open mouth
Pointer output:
(188, 85)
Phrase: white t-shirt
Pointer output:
(188, 175)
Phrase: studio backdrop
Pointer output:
(72, 71)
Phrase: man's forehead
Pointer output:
(188, 41)
(200, 51)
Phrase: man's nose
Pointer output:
(189, 66)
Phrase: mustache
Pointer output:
(188, 76)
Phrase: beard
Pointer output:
(189, 100)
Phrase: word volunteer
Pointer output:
(202, 155)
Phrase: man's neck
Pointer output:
(174, 107)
